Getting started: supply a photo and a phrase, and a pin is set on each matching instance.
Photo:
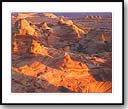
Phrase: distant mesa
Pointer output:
(93, 17)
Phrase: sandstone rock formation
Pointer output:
(50, 15)
(61, 55)
(69, 23)
(65, 62)
(25, 15)
(65, 31)
(24, 28)
(65, 22)
(73, 75)
(45, 26)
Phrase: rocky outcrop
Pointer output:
(67, 63)
(65, 22)
(50, 15)
(60, 56)
(71, 25)
(24, 28)
(37, 48)
(64, 33)
(45, 26)
(25, 15)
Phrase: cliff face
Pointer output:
(61, 55)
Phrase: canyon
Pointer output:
(58, 54)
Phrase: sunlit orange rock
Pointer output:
(65, 62)
(24, 28)
(36, 47)
(47, 63)
(24, 15)
(100, 87)
(45, 26)
(71, 24)
(49, 15)
(61, 21)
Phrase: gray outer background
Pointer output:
(125, 106)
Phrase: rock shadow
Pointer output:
(21, 83)
(28, 60)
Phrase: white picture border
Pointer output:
(114, 7)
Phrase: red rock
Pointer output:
(50, 15)
(24, 28)
(65, 62)
(46, 56)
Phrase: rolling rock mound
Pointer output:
(65, 62)
(64, 72)
(64, 34)
(70, 25)
(101, 43)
